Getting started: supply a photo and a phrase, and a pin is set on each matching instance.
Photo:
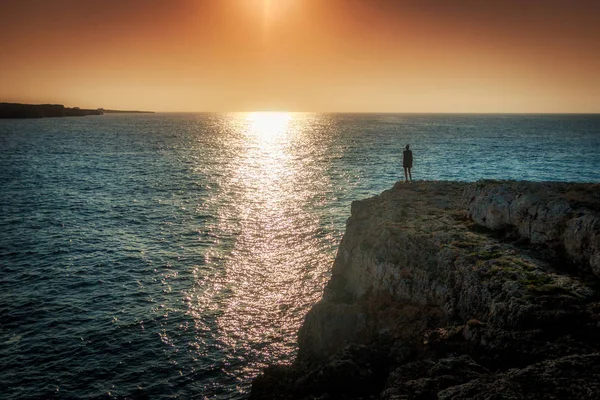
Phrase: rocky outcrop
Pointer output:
(561, 216)
(17, 110)
(456, 291)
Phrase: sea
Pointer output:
(173, 256)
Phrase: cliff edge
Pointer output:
(448, 290)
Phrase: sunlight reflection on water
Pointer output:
(276, 239)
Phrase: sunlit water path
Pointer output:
(176, 255)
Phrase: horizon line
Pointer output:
(325, 112)
(388, 112)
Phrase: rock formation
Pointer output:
(456, 291)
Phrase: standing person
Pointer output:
(407, 161)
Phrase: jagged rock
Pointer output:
(424, 379)
(573, 377)
(460, 284)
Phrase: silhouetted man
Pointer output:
(407, 163)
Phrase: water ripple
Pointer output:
(176, 255)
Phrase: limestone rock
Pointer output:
(441, 289)
(560, 215)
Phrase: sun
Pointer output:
(273, 9)
(269, 13)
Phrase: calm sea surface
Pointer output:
(175, 255)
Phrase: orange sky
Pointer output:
(303, 55)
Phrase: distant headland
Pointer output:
(106, 111)
(17, 110)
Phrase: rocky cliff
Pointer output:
(457, 291)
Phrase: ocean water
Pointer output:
(175, 255)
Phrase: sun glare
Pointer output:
(269, 12)
(274, 8)
(268, 125)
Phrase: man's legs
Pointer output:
(409, 174)
(405, 174)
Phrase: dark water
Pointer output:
(174, 256)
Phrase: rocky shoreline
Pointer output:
(448, 290)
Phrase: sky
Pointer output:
(534, 56)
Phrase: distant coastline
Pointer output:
(18, 110)
(106, 111)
